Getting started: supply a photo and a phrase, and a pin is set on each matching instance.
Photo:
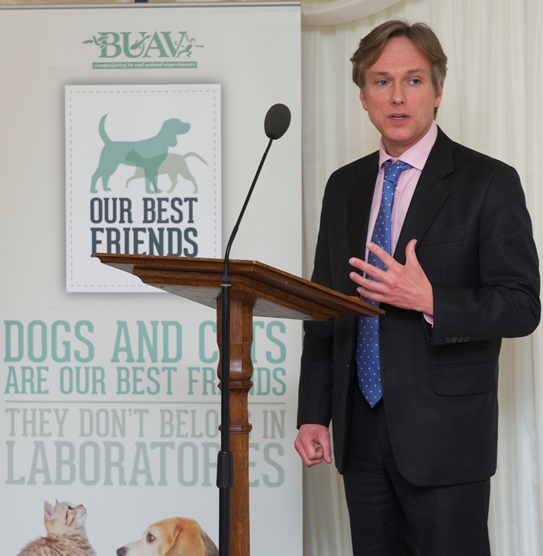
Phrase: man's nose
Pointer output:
(397, 94)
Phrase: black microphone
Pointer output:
(276, 123)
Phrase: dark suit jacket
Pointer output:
(439, 383)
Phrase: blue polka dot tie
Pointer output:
(367, 352)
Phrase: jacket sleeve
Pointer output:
(501, 297)
(316, 373)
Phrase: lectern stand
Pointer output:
(256, 290)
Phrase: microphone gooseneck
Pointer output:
(276, 123)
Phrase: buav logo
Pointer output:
(131, 50)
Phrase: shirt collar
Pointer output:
(417, 155)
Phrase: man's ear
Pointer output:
(363, 99)
(439, 96)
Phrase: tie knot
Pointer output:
(394, 169)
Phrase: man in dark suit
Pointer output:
(418, 449)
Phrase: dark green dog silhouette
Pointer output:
(114, 153)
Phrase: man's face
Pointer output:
(399, 95)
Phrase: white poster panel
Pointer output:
(110, 399)
(154, 193)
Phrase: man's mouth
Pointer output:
(399, 116)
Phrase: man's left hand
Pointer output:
(404, 286)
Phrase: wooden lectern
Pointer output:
(256, 290)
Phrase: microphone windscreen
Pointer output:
(277, 121)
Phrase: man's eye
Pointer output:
(382, 82)
(415, 81)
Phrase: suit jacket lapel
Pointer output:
(429, 195)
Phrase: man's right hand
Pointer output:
(313, 444)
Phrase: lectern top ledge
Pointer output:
(270, 291)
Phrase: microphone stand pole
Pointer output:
(225, 470)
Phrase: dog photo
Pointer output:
(174, 536)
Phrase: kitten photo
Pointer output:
(66, 535)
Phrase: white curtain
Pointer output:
(493, 102)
